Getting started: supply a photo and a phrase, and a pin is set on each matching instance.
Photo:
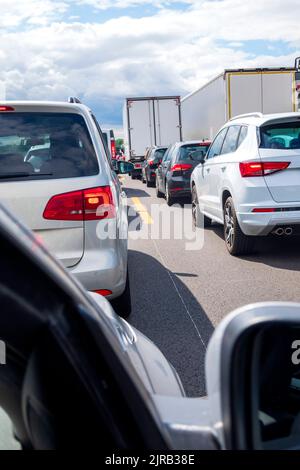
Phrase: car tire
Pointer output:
(133, 177)
(158, 192)
(236, 241)
(169, 199)
(196, 213)
(122, 304)
(148, 183)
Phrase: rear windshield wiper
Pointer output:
(23, 175)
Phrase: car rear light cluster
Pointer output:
(113, 149)
(181, 167)
(259, 210)
(103, 292)
(251, 169)
(6, 108)
(87, 204)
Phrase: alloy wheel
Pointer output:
(229, 225)
(167, 195)
(194, 209)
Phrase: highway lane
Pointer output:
(180, 296)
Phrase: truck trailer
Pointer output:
(148, 122)
(235, 92)
(109, 139)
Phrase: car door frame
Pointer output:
(219, 172)
(204, 177)
(163, 165)
(120, 197)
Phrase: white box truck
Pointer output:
(148, 122)
(234, 92)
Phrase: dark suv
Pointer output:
(154, 157)
(174, 174)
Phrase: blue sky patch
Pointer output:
(88, 14)
(260, 47)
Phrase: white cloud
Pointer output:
(170, 52)
(105, 4)
(33, 12)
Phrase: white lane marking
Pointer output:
(178, 293)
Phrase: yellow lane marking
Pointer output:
(142, 211)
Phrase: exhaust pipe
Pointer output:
(283, 231)
(279, 231)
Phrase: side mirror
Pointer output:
(253, 378)
(123, 168)
(202, 158)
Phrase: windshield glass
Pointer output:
(193, 152)
(45, 145)
(158, 154)
(285, 136)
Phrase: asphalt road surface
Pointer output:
(180, 296)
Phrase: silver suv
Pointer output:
(249, 180)
(57, 178)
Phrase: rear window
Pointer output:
(45, 146)
(285, 136)
(192, 152)
(158, 154)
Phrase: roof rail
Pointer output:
(259, 115)
(73, 99)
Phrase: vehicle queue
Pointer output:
(246, 180)
(59, 177)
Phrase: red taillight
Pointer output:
(6, 108)
(113, 149)
(68, 206)
(250, 169)
(263, 209)
(271, 167)
(104, 292)
(88, 204)
(151, 162)
(98, 203)
(180, 167)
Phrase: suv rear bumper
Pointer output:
(260, 224)
(101, 270)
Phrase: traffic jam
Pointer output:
(150, 287)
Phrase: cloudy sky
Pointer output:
(105, 50)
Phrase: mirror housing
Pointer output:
(252, 351)
(202, 159)
(123, 168)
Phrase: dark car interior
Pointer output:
(45, 145)
(63, 385)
